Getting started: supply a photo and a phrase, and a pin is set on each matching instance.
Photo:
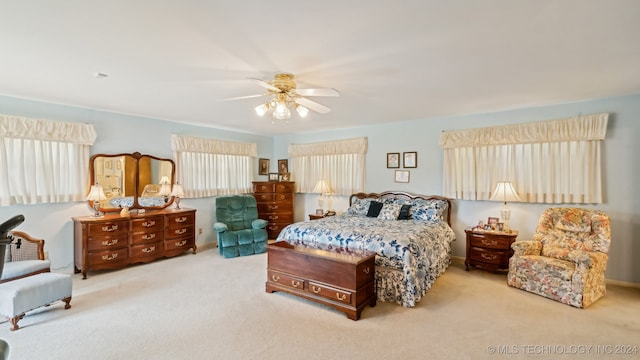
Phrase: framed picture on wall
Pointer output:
(263, 167)
(410, 159)
(283, 166)
(402, 176)
(393, 160)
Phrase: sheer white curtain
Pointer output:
(341, 162)
(557, 161)
(209, 167)
(43, 161)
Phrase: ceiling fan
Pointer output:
(285, 95)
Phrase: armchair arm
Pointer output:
(220, 227)
(259, 224)
(526, 247)
(587, 259)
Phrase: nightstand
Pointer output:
(315, 217)
(489, 250)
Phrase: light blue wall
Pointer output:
(116, 134)
(621, 171)
(121, 133)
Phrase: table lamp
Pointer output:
(96, 194)
(322, 187)
(177, 192)
(505, 192)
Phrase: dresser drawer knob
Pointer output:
(148, 236)
(489, 243)
(109, 257)
(488, 256)
(110, 228)
(181, 219)
(366, 270)
(181, 243)
(316, 289)
(275, 278)
(295, 284)
(149, 249)
(341, 297)
(180, 231)
(149, 223)
(109, 242)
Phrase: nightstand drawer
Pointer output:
(488, 256)
(490, 242)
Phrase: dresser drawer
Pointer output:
(178, 243)
(108, 228)
(147, 237)
(146, 251)
(490, 242)
(147, 224)
(284, 187)
(180, 219)
(488, 256)
(114, 256)
(102, 243)
(275, 207)
(264, 187)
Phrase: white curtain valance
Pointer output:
(347, 146)
(579, 128)
(182, 143)
(17, 127)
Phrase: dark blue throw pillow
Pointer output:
(405, 212)
(374, 209)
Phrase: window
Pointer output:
(208, 167)
(341, 162)
(557, 161)
(43, 161)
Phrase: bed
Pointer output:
(411, 253)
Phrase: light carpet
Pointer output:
(205, 307)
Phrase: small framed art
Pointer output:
(263, 167)
(410, 159)
(273, 176)
(285, 177)
(493, 222)
(402, 176)
(393, 160)
(283, 166)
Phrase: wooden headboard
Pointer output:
(405, 196)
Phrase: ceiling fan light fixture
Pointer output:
(302, 111)
(281, 112)
(262, 109)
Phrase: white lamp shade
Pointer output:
(96, 193)
(177, 191)
(164, 180)
(505, 192)
(322, 187)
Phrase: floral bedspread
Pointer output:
(420, 249)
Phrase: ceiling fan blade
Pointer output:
(266, 85)
(317, 92)
(244, 97)
(312, 105)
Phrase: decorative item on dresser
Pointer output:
(489, 250)
(275, 204)
(113, 241)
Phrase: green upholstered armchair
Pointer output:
(240, 232)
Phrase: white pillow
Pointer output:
(390, 212)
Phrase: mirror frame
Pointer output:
(136, 180)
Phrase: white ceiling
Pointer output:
(390, 60)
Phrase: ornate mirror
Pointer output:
(132, 180)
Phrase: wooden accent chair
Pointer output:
(567, 257)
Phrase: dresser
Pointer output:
(114, 241)
(275, 204)
(489, 250)
(340, 278)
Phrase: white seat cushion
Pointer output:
(31, 292)
(15, 269)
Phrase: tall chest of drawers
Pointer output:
(275, 204)
(113, 241)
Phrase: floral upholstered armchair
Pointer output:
(240, 232)
(567, 257)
